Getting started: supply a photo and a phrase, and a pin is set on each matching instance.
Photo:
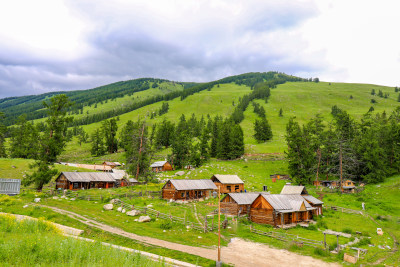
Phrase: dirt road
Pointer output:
(239, 252)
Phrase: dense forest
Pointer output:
(368, 150)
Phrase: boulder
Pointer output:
(133, 213)
(108, 206)
(55, 197)
(123, 210)
(37, 199)
(113, 201)
(72, 199)
(180, 173)
(144, 219)
(119, 209)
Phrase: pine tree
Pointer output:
(52, 142)
(373, 92)
(164, 134)
(280, 112)
(98, 147)
(398, 98)
(236, 142)
(3, 130)
(204, 148)
(110, 128)
(262, 130)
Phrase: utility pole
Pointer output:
(341, 173)
(219, 263)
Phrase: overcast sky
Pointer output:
(67, 45)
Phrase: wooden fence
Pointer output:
(158, 214)
(285, 237)
(345, 210)
(98, 197)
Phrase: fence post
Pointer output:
(325, 240)
(205, 225)
(338, 247)
(145, 208)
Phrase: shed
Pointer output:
(228, 183)
(85, 180)
(314, 202)
(280, 209)
(348, 186)
(10, 187)
(237, 203)
(160, 166)
(187, 189)
(280, 176)
(294, 190)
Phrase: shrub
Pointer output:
(322, 224)
(363, 242)
(333, 246)
(166, 225)
(347, 231)
(312, 227)
(320, 252)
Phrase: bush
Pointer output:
(322, 224)
(312, 227)
(333, 246)
(166, 225)
(347, 231)
(363, 242)
(320, 252)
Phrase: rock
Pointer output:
(119, 209)
(25, 206)
(113, 201)
(150, 206)
(187, 227)
(201, 199)
(199, 237)
(123, 210)
(108, 206)
(136, 220)
(164, 231)
(72, 199)
(388, 247)
(133, 213)
(144, 219)
(37, 199)
(63, 197)
(189, 172)
(55, 197)
(180, 173)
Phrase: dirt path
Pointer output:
(239, 252)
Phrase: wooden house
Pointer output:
(228, 183)
(161, 166)
(237, 203)
(187, 189)
(348, 186)
(85, 180)
(326, 183)
(301, 191)
(280, 210)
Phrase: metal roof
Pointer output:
(89, 176)
(313, 200)
(292, 190)
(10, 186)
(287, 203)
(244, 198)
(158, 164)
(193, 184)
(228, 179)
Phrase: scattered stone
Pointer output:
(164, 231)
(13, 167)
(187, 227)
(113, 201)
(108, 206)
(189, 172)
(199, 237)
(388, 247)
(136, 220)
(123, 210)
(201, 199)
(72, 199)
(180, 173)
(144, 219)
(133, 213)
(150, 206)
(63, 197)
(37, 199)
(379, 231)
(25, 206)
(55, 197)
(119, 209)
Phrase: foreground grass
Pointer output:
(39, 243)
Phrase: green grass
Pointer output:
(39, 243)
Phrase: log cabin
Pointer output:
(280, 210)
(315, 203)
(85, 180)
(280, 176)
(228, 183)
(325, 183)
(237, 203)
(188, 189)
(161, 166)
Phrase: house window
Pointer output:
(76, 185)
(228, 187)
(236, 188)
(183, 194)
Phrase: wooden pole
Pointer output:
(319, 161)
(337, 241)
(140, 150)
(218, 264)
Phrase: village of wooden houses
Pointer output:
(198, 216)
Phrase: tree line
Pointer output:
(367, 150)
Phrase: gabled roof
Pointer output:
(293, 190)
(193, 184)
(158, 164)
(228, 179)
(109, 163)
(243, 198)
(87, 177)
(133, 180)
(313, 200)
(287, 203)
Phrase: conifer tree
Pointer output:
(3, 130)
